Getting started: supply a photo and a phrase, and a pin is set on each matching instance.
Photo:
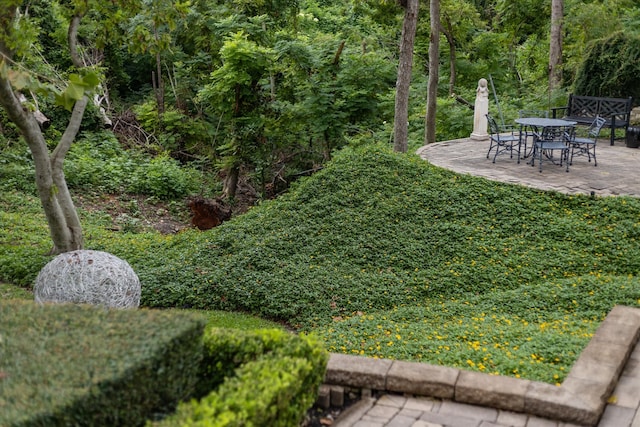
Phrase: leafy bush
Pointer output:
(267, 377)
(163, 178)
(17, 170)
(611, 68)
(98, 163)
(176, 131)
(90, 366)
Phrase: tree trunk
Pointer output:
(59, 210)
(448, 33)
(230, 184)
(401, 121)
(160, 91)
(432, 85)
(555, 44)
(64, 225)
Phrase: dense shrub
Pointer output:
(611, 68)
(163, 177)
(98, 163)
(91, 366)
(262, 378)
(17, 170)
(176, 132)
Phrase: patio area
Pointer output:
(615, 174)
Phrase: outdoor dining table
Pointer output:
(543, 122)
(537, 124)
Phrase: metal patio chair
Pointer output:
(552, 139)
(586, 146)
(503, 141)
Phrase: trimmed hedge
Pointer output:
(262, 378)
(64, 365)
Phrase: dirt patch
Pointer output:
(137, 213)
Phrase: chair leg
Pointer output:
(540, 160)
(491, 145)
(573, 149)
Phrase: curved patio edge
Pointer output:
(580, 399)
(614, 175)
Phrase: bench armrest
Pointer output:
(554, 111)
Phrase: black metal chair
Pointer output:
(552, 139)
(502, 141)
(586, 146)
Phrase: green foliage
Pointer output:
(536, 331)
(588, 22)
(162, 177)
(176, 132)
(267, 377)
(321, 252)
(522, 19)
(98, 163)
(375, 232)
(378, 241)
(231, 320)
(16, 170)
(24, 244)
(453, 120)
(611, 68)
(93, 366)
(8, 292)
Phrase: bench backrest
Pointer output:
(592, 106)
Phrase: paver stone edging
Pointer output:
(580, 399)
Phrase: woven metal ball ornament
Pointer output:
(88, 277)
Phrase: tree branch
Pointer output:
(69, 135)
(72, 39)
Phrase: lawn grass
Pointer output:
(8, 291)
(384, 255)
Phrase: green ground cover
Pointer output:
(384, 255)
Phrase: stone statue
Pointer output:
(481, 108)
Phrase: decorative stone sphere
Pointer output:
(88, 277)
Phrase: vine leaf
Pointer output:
(77, 87)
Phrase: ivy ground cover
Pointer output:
(384, 255)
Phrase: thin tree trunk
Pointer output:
(231, 182)
(336, 58)
(59, 210)
(555, 44)
(64, 225)
(160, 91)
(448, 33)
(432, 85)
(403, 83)
(72, 220)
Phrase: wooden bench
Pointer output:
(584, 110)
